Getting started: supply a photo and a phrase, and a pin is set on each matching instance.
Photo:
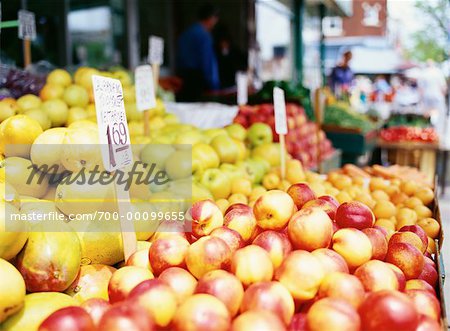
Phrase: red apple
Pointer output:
(388, 310)
(428, 324)
(419, 232)
(301, 194)
(231, 237)
(376, 276)
(399, 274)
(257, 320)
(224, 286)
(353, 245)
(124, 280)
(330, 199)
(273, 209)
(323, 204)
(310, 229)
(240, 219)
(96, 308)
(408, 237)
(332, 314)
(126, 316)
(276, 244)
(407, 257)
(354, 214)
(201, 312)
(205, 216)
(252, 264)
(168, 252)
(379, 243)
(181, 281)
(270, 296)
(169, 228)
(157, 298)
(343, 286)
(206, 254)
(419, 284)
(429, 272)
(68, 319)
(298, 322)
(140, 259)
(237, 206)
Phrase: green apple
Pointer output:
(236, 131)
(259, 133)
(76, 96)
(233, 171)
(211, 133)
(217, 182)
(266, 164)
(189, 138)
(57, 111)
(205, 155)
(255, 170)
(200, 192)
(269, 152)
(156, 154)
(179, 164)
(226, 148)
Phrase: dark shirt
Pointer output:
(196, 54)
(341, 76)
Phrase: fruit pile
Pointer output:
(303, 138)
(294, 260)
(409, 134)
(19, 82)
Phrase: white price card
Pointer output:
(112, 123)
(27, 25)
(155, 50)
(145, 89)
(280, 111)
(242, 88)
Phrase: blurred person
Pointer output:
(341, 76)
(433, 88)
(230, 60)
(196, 60)
(406, 95)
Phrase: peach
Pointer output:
(140, 259)
(181, 282)
(353, 245)
(406, 215)
(419, 232)
(376, 276)
(384, 209)
(224, 286)
(310, 229)
(388, 310)
(399, 274)
(323, 203)
(408, 237)
(301, 194)
(419, 284)
(157, 298)
(429, 272)
(302, 273)
(273, 210)
(425, 194)
(231, 237)
(343, 286)
(201, 312)
(252, 264)
(276, 244)
(206, 254)
(124, 280)
(257, 320)
(428, 324)
(354, 215)
(332, 314)
(423, 211)
(378, 240)
(166, 252)
(430, 226)
(241, 219)
(270, 296)
(425, 303)
(205, 216)
(407, 257)
(331, 261)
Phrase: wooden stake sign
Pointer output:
(319, 105)
(145, 92)
(242, 88)
(280, 124)
(27, 32)
(116, 150)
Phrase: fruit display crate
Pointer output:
(331, 163)
(352, 142)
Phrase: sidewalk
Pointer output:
(444, 205)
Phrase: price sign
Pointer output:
(112, 123)
(280, 111)
(145, 89)
(27, 25)
(155, 50)
(242, 88)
